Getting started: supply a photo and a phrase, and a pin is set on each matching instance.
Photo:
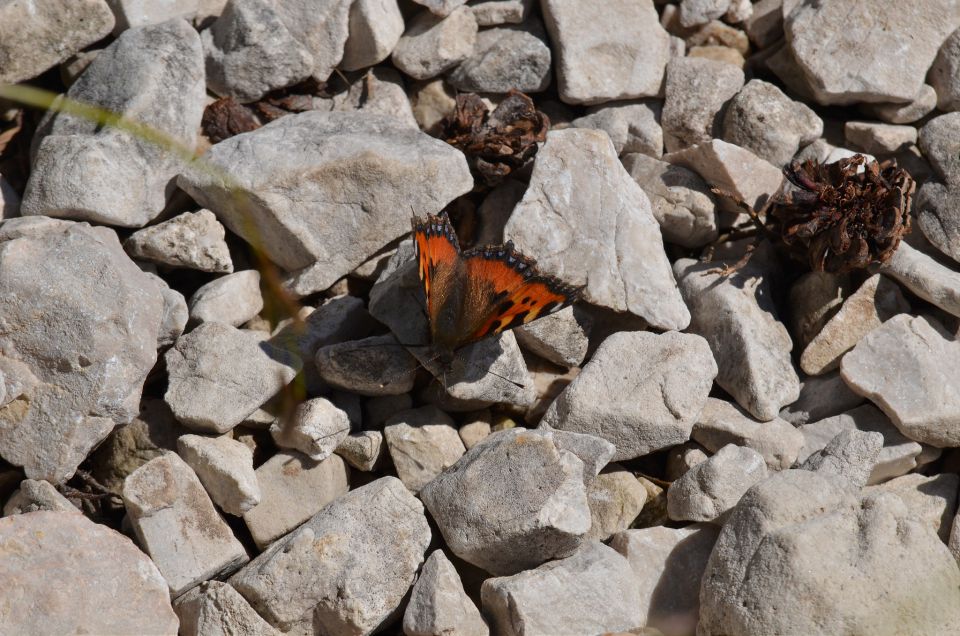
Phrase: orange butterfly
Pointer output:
(482, 291)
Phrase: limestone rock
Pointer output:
(375, 27)
(723, 423)
(34, 495)
(225, 468)
(316, 428)
(216, 608)
(697, 91)
(439, 605)
(433, 44)
(233, 299)
(504, 58)
(192, 239)
(633, 126)
(423, 443)
(561, 337)
(710, 490)
(616, 498)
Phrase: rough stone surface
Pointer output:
(585, 220)
(439, 605)
(294, 488)
(924, 403)
(751, 347)
(697, 91)
(925, 277)
(219, 375)
(931, 500)
(900, 113)
(232, 299)
(68, 380)
(616, 498)
(378, 365)
(561, 337)
(814, 298)
(177, 525)
(723, 423)
(375, 27)
(682, 458)
(762, 119)
(88, 579)
(943, 74)
(937, 213)
(767, 571)
(441, 8)
(496, 12)
(192, 239)
(217, 609)
(821, 396)
(34, 495)
(38, 35)
(362, 450)
(515, 57)
(83, 170)
(433, 44)
(590, 592)
(939, 139)
(546, 513)
(710, 490)
(852, 455)
(640, 391)
(316, 428)
(879, 139)
(345, 571)
(361, 172)
(633, 126)
(681, 200)
(622, 37)
(225, 468)
(175, 315)
(423, 443)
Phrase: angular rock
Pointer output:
(83, 170)
(81, 329)
(682, 202)
(943, 74)
(930, 500)
(875, 302)
(316, 428)
(131, 14)
(879, 139)
(504, 58)
(219, 375)
(696, 12)
(846, 57)
(592, 591)
(175, 313)
(821, 396)
(88, 579)
(439, 605)
(751, 347)
(937, 213)
(610, 51)
(765, 25)
(851, 455)
(496, 12)
(39, 35)
(345, 571)
(584, 219)
(697, 91)
(321, 27)
(668, 563)
(939, 139)
(723, 423)
(682, 458)
(762, 119)
(177, 525)
(34, 495)
(710, 490)
(640, 391)
(433, 44)
(616, 498)
(800, 540)
(378, 365)
(192, 239)
(923, 403)
(378, 168)
(378, 91)
(546, 515)
(217, 608)
(423, 443)
(925, 277)
(375, 27)
(9, 200)
(441, 7)
(225, 468)
(815, 297)
(561, 337)
(362, 450)
(232, 299)
(899, 113)
(431, 102)
(294, 488)
(633, 126)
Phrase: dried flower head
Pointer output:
(838, 218)
(495, 143)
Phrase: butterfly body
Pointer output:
(479, 292)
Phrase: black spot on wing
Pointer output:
(549, 307)
(517, 320)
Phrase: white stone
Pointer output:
(496, 12)
(710, 490)
(696, 12)
(697, 91)
(925, 277)
(633, 126)
(34, 495)
(821, 396)
(899, 113)
(723, 423)
(940, 141)
(505, 58)
(616, 499)
(215, 608)
(852, 454)
(316, 428)
(561, 337)
(378, 365)
(375, 28)
(439, 605)
(362, 450)
(232, 299)
(879, 139)
(423, 443)
(433, 44)
(193, 239)
(225, 468)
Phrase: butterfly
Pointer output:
(479, 292)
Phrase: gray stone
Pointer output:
(225, 468)
(681, 200)
(34, 495)
(192, 239)
(9, 200)
(175, 313)
(604, 52)
(81, 329)
(930, 500)
(939, 139)
(697, 91)
(546, 515)
(561, 337)
(347, 569)
(633, 126)
(592, 591)
(315, 428)
(815, 297)
(668, 563)
(588, 222)
(875, 302)
(217, 609)
(852, 454)
(88, 579)
(821, 396)
(375, 27)
(682, 458)
(762, 119)
(433, 44)
(615, 498)
(765, 25)
(362, 450)
(423, 443)
(751, 347)
(232, 299)
(496, 12)
(846, 57)
(924, 403)
(83, 169)
(219, 375)
(899, 113)
(925, 277)
(641, 391)
(439, 605)
(696, 12)
(378, 91)
(378, 365)
(505, 58)
(177, 525)
(441, 7)
(392, 169)
(723, 423)
(710, 490)
(799, 541)
(38, 35)
(943, 74)
(131, 14)
(937, 212)
(879, 139)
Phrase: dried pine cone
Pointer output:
(838, 220)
